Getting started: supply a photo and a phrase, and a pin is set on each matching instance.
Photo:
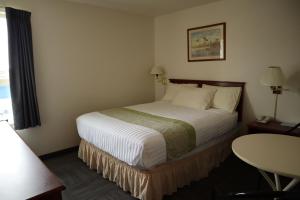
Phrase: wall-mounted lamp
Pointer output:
(273, 78)
(159, 72)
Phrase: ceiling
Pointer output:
(146, 7)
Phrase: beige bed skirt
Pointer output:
(161, 180)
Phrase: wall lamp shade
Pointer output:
(272, 77)
(159, 73)
(157, 70)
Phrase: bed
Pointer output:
(142, 161)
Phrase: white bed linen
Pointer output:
(144, 147)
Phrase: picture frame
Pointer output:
(207, 43)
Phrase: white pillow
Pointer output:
(226, 98)
(172, 90)
(198, 98)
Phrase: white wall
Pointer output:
(86, 58)
(260, 33)
(89, 58)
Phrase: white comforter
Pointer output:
(144, 147)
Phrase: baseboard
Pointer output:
(58, 153)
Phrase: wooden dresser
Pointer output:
(22, 174)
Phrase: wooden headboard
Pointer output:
(239, 108)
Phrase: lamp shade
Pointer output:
(272, 77)
(157, 70)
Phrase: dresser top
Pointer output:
(22, 174)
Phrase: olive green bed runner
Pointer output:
(180, 137)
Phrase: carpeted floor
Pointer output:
(85, 184)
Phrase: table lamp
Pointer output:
(273, 78)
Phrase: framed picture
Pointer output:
(207, 43)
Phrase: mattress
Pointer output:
(144, 147)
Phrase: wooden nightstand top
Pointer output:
(271, 127)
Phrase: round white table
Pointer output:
(278, 154)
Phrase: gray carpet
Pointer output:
(85, 184)
(81, 182)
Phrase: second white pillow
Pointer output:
(198, 98)
(226, 98)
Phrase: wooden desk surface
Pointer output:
(22, 174)
(270, 152)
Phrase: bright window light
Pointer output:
(5, 100)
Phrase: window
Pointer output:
(5, 100)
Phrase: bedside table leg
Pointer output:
(277, 182)
(277, 185)
(292, 184)
(268, 179)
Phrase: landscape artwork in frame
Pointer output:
(207, 43)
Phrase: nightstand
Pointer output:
(272, 127)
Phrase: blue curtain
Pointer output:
(21, 69)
